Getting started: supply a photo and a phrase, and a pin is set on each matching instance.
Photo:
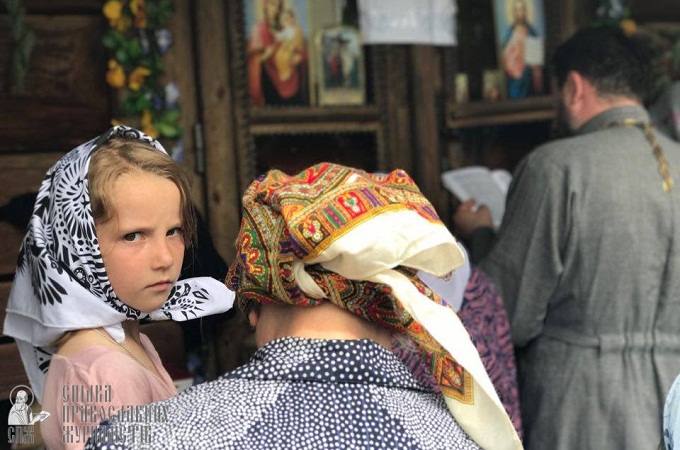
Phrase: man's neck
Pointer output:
(601, 104)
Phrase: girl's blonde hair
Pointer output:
(122, 156)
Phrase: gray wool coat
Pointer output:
(588, 262)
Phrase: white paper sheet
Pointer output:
(428, 22)
(534, 51)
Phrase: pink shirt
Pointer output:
(90, 386)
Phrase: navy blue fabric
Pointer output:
(305, 394)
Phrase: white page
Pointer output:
(476, 182)
(502, 178)
(533, 51)
(429, 22)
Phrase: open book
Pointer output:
(487, 187)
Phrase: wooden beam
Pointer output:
(5, 287)
(393, 88)
(179, 68)
(12, 371)
(223, 195)
(427, 88)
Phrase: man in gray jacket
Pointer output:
(588, 258)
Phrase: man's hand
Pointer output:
(469, 217)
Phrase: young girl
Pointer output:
(104, 248)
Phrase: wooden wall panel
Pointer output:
(397, 110)
(427, 88)
(179, 67)
(65, 101)
(9, 248)
(12, 371)
(63, 6)
(221, 169)
(5, 287)
(22, 174)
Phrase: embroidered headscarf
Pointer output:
(61, 283)
(333, 233)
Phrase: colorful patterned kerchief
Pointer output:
(338, 234)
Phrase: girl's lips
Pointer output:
(161, 286)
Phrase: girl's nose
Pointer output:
(163, 256)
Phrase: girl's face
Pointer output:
(142, 245)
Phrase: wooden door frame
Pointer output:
(219, 131)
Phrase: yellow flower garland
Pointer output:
(137, 39)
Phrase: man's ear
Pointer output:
(574, 90)
(569, 88)
(254, 316)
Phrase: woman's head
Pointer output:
(289, 248)
(272, 12)
(121, 156)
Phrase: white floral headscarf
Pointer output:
(61, 283)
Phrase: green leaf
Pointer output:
(18, 24)
(127, 106)
(121, 55)
(25, 46)
(12, 6)
(134, 49)
(112, 39)
(167, 129)
(167, 6)
(156, 63)
(171, 115)
(143, 102)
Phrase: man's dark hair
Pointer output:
(614, 63)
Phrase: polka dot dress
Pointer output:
(305, 394)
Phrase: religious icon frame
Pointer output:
(340, 74)
(520, 46)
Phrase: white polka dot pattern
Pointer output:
(308, 394)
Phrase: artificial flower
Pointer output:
(629, 26)
(137, 43)
(137, 77)
(115, 76)
(146, 121)
(164, 40)
(171, 94)
(138, 9)
(177, 151)
(610, 10)
(113, 11)
(144, 43)
(124, 24)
